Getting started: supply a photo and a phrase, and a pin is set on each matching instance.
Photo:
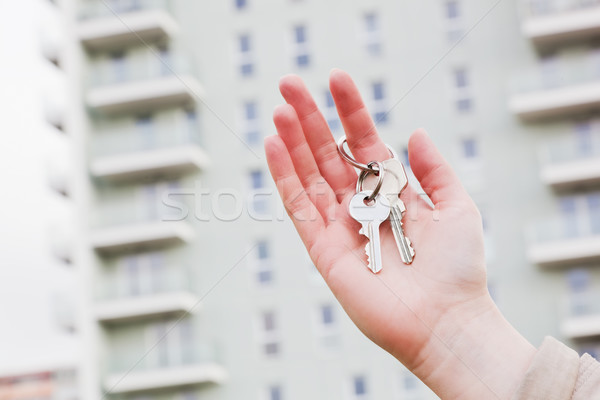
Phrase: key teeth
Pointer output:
(368, 252)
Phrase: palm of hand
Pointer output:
(402, 307)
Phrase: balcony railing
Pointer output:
(565, 241)
(537, 8)
(92, 9)
(567, 228)
(562, 73)
(141, 82)
(132, 139)
(581, 315)
(134, 212)
(569, 149)
(558, 88)
(132, 371)
(572, 161)
(167, 280)
(143, 66)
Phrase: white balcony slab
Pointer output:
(147, 306)
(117, 31)
(127, 236)
(563, 27)
(565, 252)
(143, 163)
(581, 326)
(558, 102)
(572, 174)
(163, 378)
(145, 95)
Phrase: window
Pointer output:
(164, 60)
(258, 195)
(568, 210)
(274, 393)
(119, 67)
(250, 123)
(327, 315)
(257, 179)
(460, 78)
(578, 279)
(593, 204)
(549, 70)
(461, 85)
(330, 112)
(380, 114)
(359, 387)
(245, 55)
(410, 382)
(145, 128)
(269, 334)
(453, 18)
(405, 158)
(378, 91)
(469, 148)
(372, 33)
(264, 270)
(241, 4)
(463, 105)
(300, 46)
(579, 285)
(452, 9)
(583, 136)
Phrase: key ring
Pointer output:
(379, 172)
(352, 161)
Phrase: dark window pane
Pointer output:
(302, 60)
(257, 179)
(452, 9)
(360, 387)
(300, 34)
(378, 91)
(327, 315)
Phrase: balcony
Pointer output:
(570, 163)
(139, 371)
(555, 22)
(141, 83)
(566, 89)
(156, 149)
(131, 224)
(563, 242)
(105, 25)
(582, 316)
(161, 294)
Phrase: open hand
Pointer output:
(418, 313)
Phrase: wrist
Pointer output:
(474, 353)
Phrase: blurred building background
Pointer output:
(186, 292)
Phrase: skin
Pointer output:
(435, 316)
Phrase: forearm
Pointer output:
(475, 354)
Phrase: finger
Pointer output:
(300, 208)
(363, 140)
(337, 172)
(289, 129)
(434, 173)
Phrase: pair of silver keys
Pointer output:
(377, 199)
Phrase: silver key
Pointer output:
(394, 182)
(370, 216)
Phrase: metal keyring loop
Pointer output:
(379, 172)
(341, 149)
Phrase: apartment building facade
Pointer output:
(193, 284)
(561, 104)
